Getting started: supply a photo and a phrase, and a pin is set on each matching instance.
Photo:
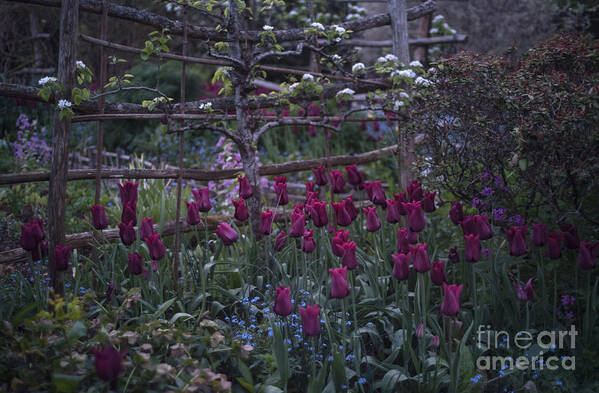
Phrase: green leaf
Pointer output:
(66, 383)
(281, 354)
(180, 315)
(338, 370)
(77, 331)
(163, 307)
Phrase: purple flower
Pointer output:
(498, 214)
(485, 252)
(487, 192)
(476, 202)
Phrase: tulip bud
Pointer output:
(320, 175)
(435, 341)
(477, 225)
(349, 255)
(473, 248)
(342, 216)
(571, 239)
(61, 257)
(99, 219)
(416, 220)
(339, 287)
(456, 212)
(338, 239)
(266, 223)
(350, 208)
(403, 245)
(282, 198)
(318, 213)
(129, 212)
(310, 187)
(308, 243)
(146, 228)
(156, 247)
(337, 181)
(135, 264)
(310, 320)
(226, 233)
(413, 237)
(539, 234)
(554, 245)
(587, 255)
(428, 202)
(31, 235)
(393, 215)
(517, 239)
(420, 258)
(193, 213)
(420, 330)
(298, 224)
(401, 266)
(202, 197)
(283, 306)
(353, 175)
(280, 241)
(241, 210)
(245, 188)
(374, 190)
(127, 233)
(128, 192)
(414, 191)
(108, 362)
(372, 220)
(438, 273)
(451, 299)
(525, 292)
(401, 198)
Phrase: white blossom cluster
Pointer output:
(405, 73)
(346, 91)
(62, 104)
(308, 77)
(46, 79)
(317, 25)
(387, 58)
(415, 63)
(205, 106)
(336, 58)
(398, 104)
(293, 86)
(357, 67)
(267, 28)
(423, 81)
(339, 29)
(80, 64)
(438, 18)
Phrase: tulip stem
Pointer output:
(587, 310)
(554, 297)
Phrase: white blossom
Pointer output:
(292, 12)
(353, 16)
(357, 67)
(391, 57)
(434, 30)
(403, 94)
(398, 104)
(345, 91)
(267, 28)
(338, 39)
(46, 79)
(415, 63)
(438, 18)
(339, 29)
(317, 25)
(205, 106)
(381, 60)
(422, 81)
(308, 77)
(80, 64)
(404, 73)
(293, 86)
(432, 70)
(336, 58)
(62, 104)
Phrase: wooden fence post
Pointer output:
(69, 18)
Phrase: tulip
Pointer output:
(343, 217)
(310, 319)
(338, 239)
(31, 235)
(43, 248)
(156, 247)
(193, 213)
(61, 257)
(311, 196)
(414, 191)
(403, 245)
(128, 192)
(587, 255)
(353, 175)
(393, 215)
(280, 241)
(202, 197)
(146, 228)
(525, 292)
(477, 225)
(401, 197)
(453, 257)
(571, 239)
(413, 237)
(419, 330)
(517, 239)
(245, 188)
(451, 299)
(473, 248)
(129, 212)
(266, 223)
(428, 202)
(350, 208)
(308, 243)
(337, 181)
(372, 220)
(318, 213)
(282, 198)
(298, 224)
(320, 175)
(127, 233)
(99, 219)
(416, 219)
(310, 187)
(241, 210)
(401, 266)
(108, 362)
(349, 255)
(420, 259)
(226, 233)
(435, 341)
(339, 288)
(539, 234)
(283, 306)
(456, 212)
(438, 273)
(554, 245)
(280, 179)
(154, 266)
(135, 263)
(374, 190)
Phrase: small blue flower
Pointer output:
(361, 381)
(559, 383)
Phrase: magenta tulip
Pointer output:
(403, 245)
(202, 197)
(539, 234)
(337, 181)
(155, 246)
(128, 192)
(280, 241)
(135, 265)
(310, 187)
(451, 299)
(310, 319)
(414, 191)
(298, 224)
(374, 190)
(587, 256)
(129, 212)
(318, 213)
(517, 239)
(554, 245)
(372, 220)
(353, 175)
(61, 257)
(283, 306)
(282, 198)
(99, 219)
(146, 228)
(571, 239)
(420, 258)
(245, 188)
(438, 273)
(339, 287)
(401, 198)
(349, 255)
(266, 223)
(127, 233)
(308, 243)
(193, 213)
(31, 234)
(339, 237)
(428, 202)
(241, 210)
(416, 220)
(525, 292)
(393, 215)
(456, 212)
(320, 175)
(477, 225)
(473, 248)
(108, 362)
(401, 266)
(350, 208)
(226, 233)
(341, 214)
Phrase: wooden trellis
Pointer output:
(101, 111)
